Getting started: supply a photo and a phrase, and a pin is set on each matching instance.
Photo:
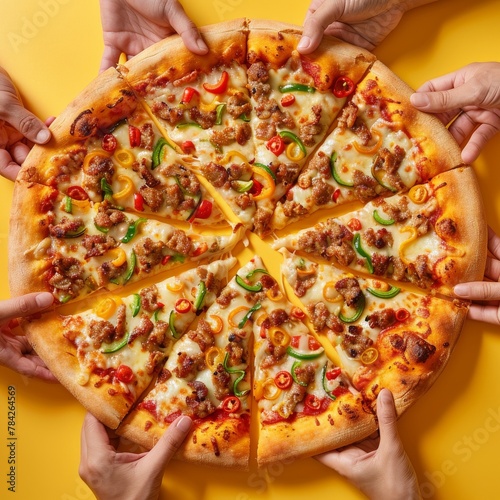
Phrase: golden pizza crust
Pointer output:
(345, 421)
(46, 337)
(224, 442)
(462, 225)
(28, 235)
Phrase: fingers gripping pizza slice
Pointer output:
(207, 377)
(381, 145)
(418, 237)
(384, 336)
(107, 356)
(75, 247)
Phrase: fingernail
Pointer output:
(420, 100)
(202, 45)
(44, 300)
(43, 136)
(304, 43)
(460, 290)
(184, 424)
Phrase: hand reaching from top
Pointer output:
(130, 26)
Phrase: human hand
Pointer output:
(472, 93)
(360, 22)
(15, 350)
(487, 290)
(130, 26)
(113, 475)
(17, 125)
(379, 467)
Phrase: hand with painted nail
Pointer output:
(472, 95)
(18, 128)
(119, 475)
(130, 26)
(485, 294)
(361, 22)
(15, 351)
(378, 465)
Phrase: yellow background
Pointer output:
(452, 434)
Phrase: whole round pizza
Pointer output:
(254, 238)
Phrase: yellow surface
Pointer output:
(52, 49)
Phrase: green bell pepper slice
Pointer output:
(358, 247)
(132, 229)
(381, 220)
(296, 87)
(360, 307)
(286, 134)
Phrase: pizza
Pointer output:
(254, 238)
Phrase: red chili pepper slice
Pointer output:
(138, 202)
(402, 314)
(336, 194)
(182, 305)
(343, 87)
(333, 373)
(124, 374)
(231, 404)
(165, 259)
(313, 344)
(188, 147)
(339, 390)
(109, 143)
(134, 136)
(77, 193)
(283, 380)
(354, 224)
(295, 341)
(298, 313)
(256, 188)
(188, 94)
(287, 100)
(276, 145)
(312, 402)
(204, 211)
(219, 87)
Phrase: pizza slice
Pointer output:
(207, 377)
(381, 145)
(383, 335)
(306, 404)
(204, 108)
(106, 145)
(295, 100)
(74, 247)
(106, 356)
(418, 237)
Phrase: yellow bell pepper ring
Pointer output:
(124, 157)
(127, 189)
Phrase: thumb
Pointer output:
(443, 100)
(25, 305)
(27, 123)
(168, 444)
(316, 24)
(387, 417)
